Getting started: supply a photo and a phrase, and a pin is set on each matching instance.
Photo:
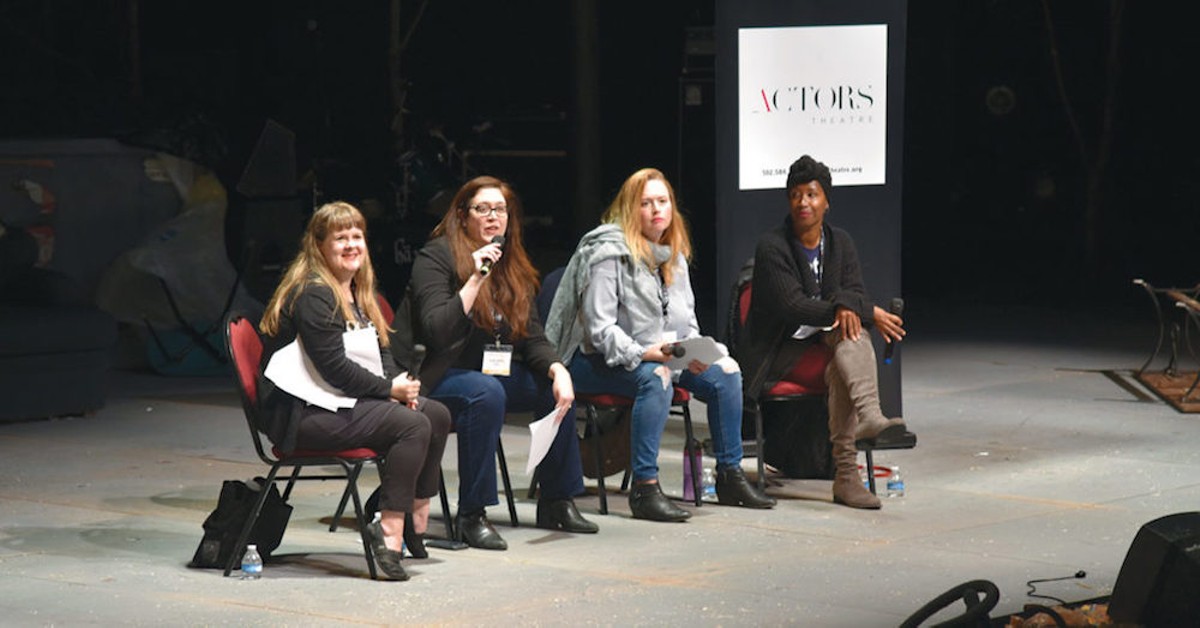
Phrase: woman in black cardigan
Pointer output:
(329, 289)
(808, 289)
(472, 298)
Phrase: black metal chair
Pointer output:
(245, 351)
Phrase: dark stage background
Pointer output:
(1048, 153)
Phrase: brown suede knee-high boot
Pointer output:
(854, 362)
(848, 488)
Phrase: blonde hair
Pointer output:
(309, 267)
(513, 282)
(625, 212)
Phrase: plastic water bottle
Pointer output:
(252, 563)
(708, 485)
(895, 483)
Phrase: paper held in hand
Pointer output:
(703, 348)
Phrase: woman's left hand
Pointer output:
(405, 390)
(697, 367)
(890, 326)
(563, 388)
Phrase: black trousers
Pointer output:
(411, 441)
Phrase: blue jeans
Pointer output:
(721, 391)
(478, 403)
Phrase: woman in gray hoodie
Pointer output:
(625, 297)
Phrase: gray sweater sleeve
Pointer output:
(601, 305)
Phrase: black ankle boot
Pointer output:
(561, 514)
(733, 489)
(386, 560)
(413, 541)
(475, 529)
(646, 501)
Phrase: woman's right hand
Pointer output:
(657, 353)
(491, 251)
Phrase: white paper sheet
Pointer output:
(541, 436)
(362, 347)
(703, 348)
(292, 370)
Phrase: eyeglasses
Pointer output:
(483, 210)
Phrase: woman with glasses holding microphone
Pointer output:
(472, 304)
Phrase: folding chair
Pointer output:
(245, 351)
(591, 405)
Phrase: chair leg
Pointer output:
(533, 485)
(508, 492)
(287, 492)
(689, 450)
(594, 428)
(870, 468)
(758, 448)
(337, 515)
(447, 517)
(244, 536)
(352, 473)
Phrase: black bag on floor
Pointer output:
(796, 438)
(224, 524)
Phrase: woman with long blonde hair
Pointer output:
(472, 301)
(625, 298)
(328, 290)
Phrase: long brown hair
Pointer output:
(310, 267)
(513, 281)
(625, 212)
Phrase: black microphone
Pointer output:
(418, 356)
(675, 349)
(897, 308)
(486, 266)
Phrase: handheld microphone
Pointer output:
(418, 356)
(897, 308)
(486, 266)
(675, 349)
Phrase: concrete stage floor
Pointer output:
(1032, 463)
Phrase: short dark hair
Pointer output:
(808, 169)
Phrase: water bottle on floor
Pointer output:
(708, 485)
(252, 563)
(895, 483)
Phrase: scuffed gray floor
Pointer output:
(1031, 464)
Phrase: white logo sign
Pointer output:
(816, 90)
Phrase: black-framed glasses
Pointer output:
(482, 209)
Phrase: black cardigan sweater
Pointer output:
(314, 317)
(782, 299)
(433, 314)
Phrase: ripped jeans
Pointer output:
(720, 390)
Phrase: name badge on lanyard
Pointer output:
(497, 358)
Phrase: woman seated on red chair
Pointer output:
(624, 298)
(329, 289)
(472, 295)
(808, 289)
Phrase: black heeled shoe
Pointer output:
(734, 489)
(561, 514)
(387, 560)
(646, 501)
(475, 529)
(413, 541)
